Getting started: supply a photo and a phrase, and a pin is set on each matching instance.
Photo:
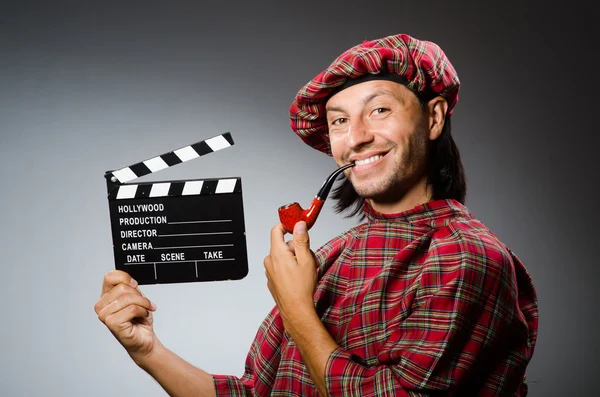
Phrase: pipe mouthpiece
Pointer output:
(324, 192)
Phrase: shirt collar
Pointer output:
(432, 213)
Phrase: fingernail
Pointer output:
(153, 306)
(301, 227)
(133, 283)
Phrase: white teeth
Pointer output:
(369, 160)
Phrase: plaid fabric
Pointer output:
(424, 302)
(422, 63)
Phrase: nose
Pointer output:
(358, 134)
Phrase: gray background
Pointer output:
(90, 86)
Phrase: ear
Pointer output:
(437, 108)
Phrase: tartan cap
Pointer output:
(422, 64)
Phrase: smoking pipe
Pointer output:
(292, 213)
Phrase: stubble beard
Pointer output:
(408, 169)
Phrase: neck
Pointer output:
(419, 193)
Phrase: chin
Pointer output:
(383, 191)
(371, 192)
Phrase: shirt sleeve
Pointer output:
(260, 369)
(464, 303)
(228, 385)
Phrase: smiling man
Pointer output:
(419, 299)
(381, 126)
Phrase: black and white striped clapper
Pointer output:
(178, 231)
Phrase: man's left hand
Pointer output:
(291, 271)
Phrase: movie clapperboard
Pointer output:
(178, 231)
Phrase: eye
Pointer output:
(339, 121)
(380, 110)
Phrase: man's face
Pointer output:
(382, 127)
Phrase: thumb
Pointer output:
(301, 241)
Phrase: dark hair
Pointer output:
(445, 174)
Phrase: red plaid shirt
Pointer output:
(425, 302)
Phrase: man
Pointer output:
(421, 299)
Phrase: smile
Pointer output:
(368, 160)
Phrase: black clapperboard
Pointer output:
(178, 231)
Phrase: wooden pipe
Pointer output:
(292, 213)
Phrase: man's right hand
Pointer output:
(128, 314)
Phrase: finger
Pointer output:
(121, 319)
(277, 237)
(302, 242)
(268, 266)
(113, 294)
(122, 302)
(291, 246)
(115, 277)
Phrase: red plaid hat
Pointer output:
(422, 64)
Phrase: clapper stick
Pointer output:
(178, 231)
